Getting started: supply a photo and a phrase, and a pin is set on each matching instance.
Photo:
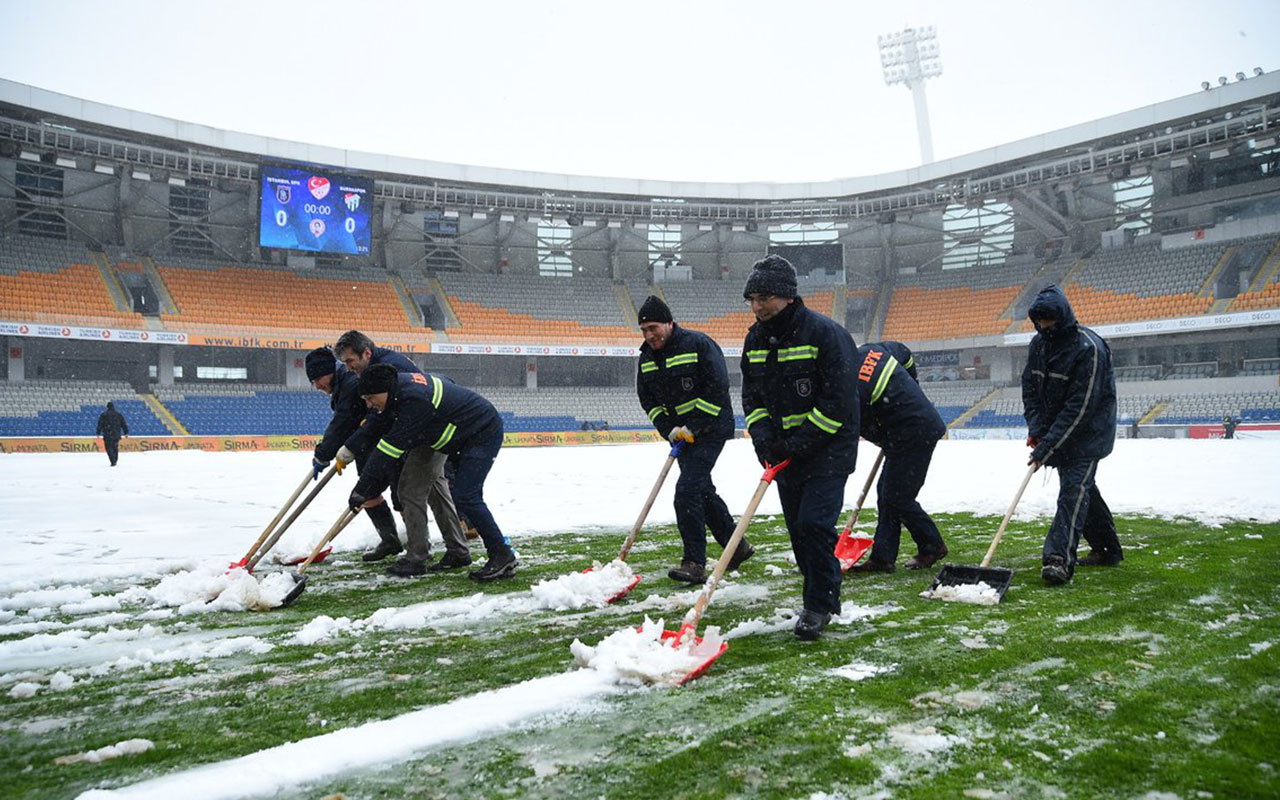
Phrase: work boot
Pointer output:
(744, 551)
(688, 572)
(1055, 572)
(501, 564)
(926, 560)
(406, 567)
(450, 561)
(1101, 558)
(383, 550)
(869, 566)
(810, 624)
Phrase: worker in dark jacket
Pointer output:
(896, 415)
(801, 403)
(419, 412)
(904, 356)
(1069, 401)
(112, 426)
(349, 412)
(358, 353)
(684, 388)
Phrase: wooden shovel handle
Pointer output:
(284, 509)
(648, 504)
(862, 498)
(991, 551)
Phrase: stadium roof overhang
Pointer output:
(1204, 120)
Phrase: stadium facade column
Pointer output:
(531, 372)
(295, 370)
(164, 370)
(17, 366)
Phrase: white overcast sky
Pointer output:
(700, 91)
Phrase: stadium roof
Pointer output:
(1215, 103)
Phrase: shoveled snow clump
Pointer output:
(594, 588)
(128, 747)
(980, 594)
(641, 656)
(212, 588)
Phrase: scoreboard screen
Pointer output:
(314, 209)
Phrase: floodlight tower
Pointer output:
(910, 57)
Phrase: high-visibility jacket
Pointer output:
(686, 383)
(424, 410)
(798, 383)
(360, 439)
(894, 409)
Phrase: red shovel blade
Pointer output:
(676, 638)
(241, 564)
(624, 592)
(319, 557)
(850, 548)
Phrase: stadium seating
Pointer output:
(53, 282)
(531, 308)
(954, 303)
(717, 308)
(1208, 408)
(248, 298)
(246, 409)
(953, 398)
(71, 408)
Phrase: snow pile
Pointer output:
(785, 618)
(921, 741)
(638, 657)
(24, 689)
(979, 594)
(322, 629)
(61, 681)
(591, 589)
(128, 747)
(45, 598)
(861, 670)
(213, 588)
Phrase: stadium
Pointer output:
(183, 273)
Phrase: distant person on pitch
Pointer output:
(1229, 424)
(683, 386)
(112, 426)
(1069, 401)
(896, 415)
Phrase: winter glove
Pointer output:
(356, 500)
(344, 458)
(317, 466)
(1032, 441)
(780, 451)
(680, 433)
(762, 444)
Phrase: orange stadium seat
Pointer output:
(485, 323)
(75, 294)
(250, 298)
(917, 313)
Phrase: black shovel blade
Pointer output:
(997, 578)
(299, 586)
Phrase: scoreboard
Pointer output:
(314, 209)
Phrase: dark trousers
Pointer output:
(698, 507)
(474, 464)
(811, 508)
(112, 446)
(1081, 512)
(900, 481)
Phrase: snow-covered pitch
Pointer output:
(71, 524)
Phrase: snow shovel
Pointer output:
(690, 625)
(297, 512)
(849, 548)
(997, 578)
(300, 580)
(274, 522)
(644, 513)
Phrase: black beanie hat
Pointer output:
(377, 379)
(771, 275)
(654, 310)
(320, 362)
